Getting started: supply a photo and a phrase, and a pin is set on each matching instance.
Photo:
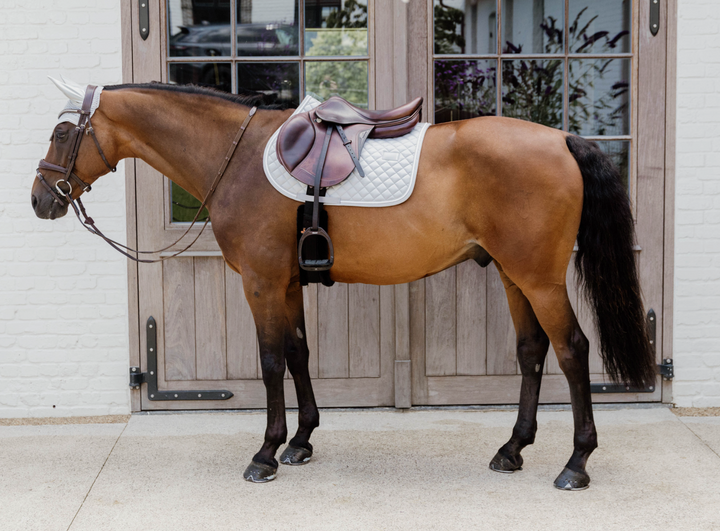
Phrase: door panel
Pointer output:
(205, 331)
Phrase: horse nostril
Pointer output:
(34, 201)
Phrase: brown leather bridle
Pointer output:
(83, 128)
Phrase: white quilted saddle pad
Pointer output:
(390, 167)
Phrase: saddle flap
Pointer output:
(295, 140)
(338, 163)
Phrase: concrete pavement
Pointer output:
(372, 470)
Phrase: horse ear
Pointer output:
(74, 92)
(72, 84)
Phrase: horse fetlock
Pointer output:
(586, 443)
(301, 442)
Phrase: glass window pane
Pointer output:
(464, 89)
(599, 96)
(267, 28)
(184, 206)
(465, 27)
(216, 75)
(277, 82)
(533, 26)
(347, 79)
(200, 29)
(599, 26)
(533, 90)
(619, 151)
(336, 27)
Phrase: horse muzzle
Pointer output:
(46, 206)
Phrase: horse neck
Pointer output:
(183, 136)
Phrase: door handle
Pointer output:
(654, 16)
(144, 18)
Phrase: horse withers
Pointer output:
(495, 188)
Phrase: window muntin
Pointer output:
(564, 63)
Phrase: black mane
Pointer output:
(256, 99)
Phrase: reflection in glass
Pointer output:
(533, 26)
(599, 96)
(464, 89)
(465, 27)
(336, 27)
(533, 90)
(198, 29)
(347, 79)
(619, 151)
(267, 28)
(599, 26)
(216, 75)
(184, 206)
(279, 83)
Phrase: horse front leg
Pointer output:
(267, 302)
(299, 450)
(532, 347)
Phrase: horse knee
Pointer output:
(531, 351)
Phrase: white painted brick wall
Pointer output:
(697, 216)
(63, 292)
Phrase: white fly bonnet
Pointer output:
(76, 93)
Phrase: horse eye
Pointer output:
(61, 136)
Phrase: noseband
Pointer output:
(84, 127)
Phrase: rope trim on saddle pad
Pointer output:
(390, 169)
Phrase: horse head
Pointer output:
(70, 165)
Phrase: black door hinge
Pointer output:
(666, 369)
(137, 378)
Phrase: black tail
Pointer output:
(606, 267)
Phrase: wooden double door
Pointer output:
(447, 339)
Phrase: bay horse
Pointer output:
(489, 189)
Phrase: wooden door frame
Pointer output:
(398, 74)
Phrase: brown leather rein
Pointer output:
(63, 197)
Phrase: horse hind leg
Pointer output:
(299, 450)
(532, 347)
(555, 315)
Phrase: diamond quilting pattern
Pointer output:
(390, 169)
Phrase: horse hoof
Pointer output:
(295, 455)
(259, 473)
(571, 480)
(505, 465)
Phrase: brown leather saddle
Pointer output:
(321, 147)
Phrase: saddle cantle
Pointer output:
(301, 138)
(321, 148)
